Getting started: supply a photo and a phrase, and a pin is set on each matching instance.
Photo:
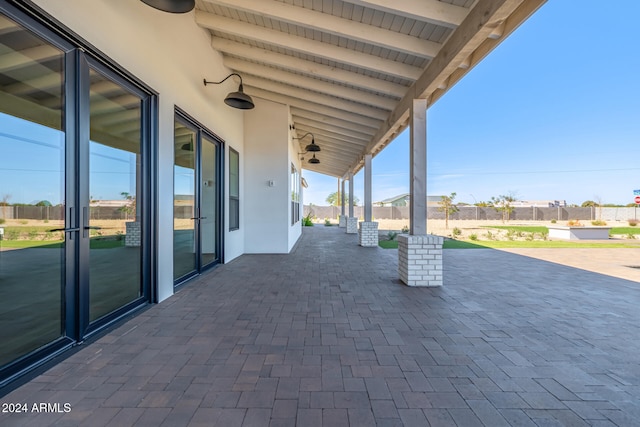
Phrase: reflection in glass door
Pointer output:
(197, 200)
(184, 209)
(74, 193)
(32, 193)
(114, 230)
(208, 209)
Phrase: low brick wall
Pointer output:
(420, 260)
(352, 225)
(368, 234)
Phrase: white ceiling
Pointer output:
(349, 69)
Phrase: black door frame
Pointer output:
(79, 56)
(202, 132)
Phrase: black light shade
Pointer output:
(312, 147)
(172, 6)
(313, 160)
(237, 99)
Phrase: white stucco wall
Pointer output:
(266, 224)
(295, 230)
(171, 54)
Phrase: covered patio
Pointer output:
(327, 335)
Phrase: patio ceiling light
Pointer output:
(311, 148)
(237, 99)
(172, 6)
(313, 160)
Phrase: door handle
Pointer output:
(66, 230)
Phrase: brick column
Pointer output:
(134, 234)
(342, 221)
(420, 260)
(368, 234)
(352, 225)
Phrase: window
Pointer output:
(234, 189)
(295, 195)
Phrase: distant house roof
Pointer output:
(395, 198)
(540, 203)
(405, 197)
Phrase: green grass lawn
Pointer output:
(388, 244)
(625, 230)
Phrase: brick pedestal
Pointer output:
(368, 234)
(352, 225)
(342, 221)
(134, 234)
(420, 260)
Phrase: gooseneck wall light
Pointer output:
(172, 6)
(311, 148)
(237, 99)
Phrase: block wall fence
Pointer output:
(476, 213)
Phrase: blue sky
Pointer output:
(552, 113)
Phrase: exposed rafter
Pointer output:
(433, 11)
(318, 98)
(332, 121)
(312, 106)
(309, 83)
(474, 30)
(337, 26)
(307, 67)
(307, 46)
(349, 69)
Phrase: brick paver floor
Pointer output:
(327, 336)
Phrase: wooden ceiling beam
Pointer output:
(306, 46)
(311, 68)
(309, 83)
(335, 25)
(318, 98)
(433, 11)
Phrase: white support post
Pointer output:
(342, 223)
(368, 231)
(352, 222)
(350, 194)
(341, 200)
(418, 168)
(367, 187)
(419, 254)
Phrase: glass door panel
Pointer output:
(184, 209)
(32, 192)
(114, 185)
(208, 208)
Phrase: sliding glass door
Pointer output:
(197, 199)
(74, 218)
(33, 208)
(114, 222)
